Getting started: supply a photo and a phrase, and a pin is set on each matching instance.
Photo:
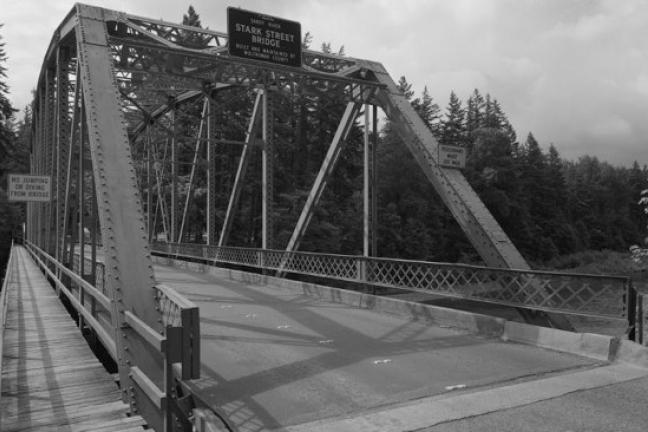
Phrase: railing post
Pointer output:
(639, 283)
(641, 336)
(362, 270)
(632, 311)
(172, 355)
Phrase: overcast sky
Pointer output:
(573, 72)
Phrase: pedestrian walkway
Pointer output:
(51, 380)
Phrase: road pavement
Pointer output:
(277, 359)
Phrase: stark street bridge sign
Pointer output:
(262, 37)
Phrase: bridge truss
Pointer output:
(118, 96)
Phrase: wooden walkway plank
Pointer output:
(51, 379)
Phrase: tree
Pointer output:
(12, 160)
(640, 254)
(192, 39)
(6, 110)
(453, 127)
(429, 112)
(405, 88)
(474, 112)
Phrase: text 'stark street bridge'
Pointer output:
(134, 119)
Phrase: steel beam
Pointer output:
(483, 231)
(61, 141)
(211, 174)
(49, 155)
(192, 175)
(174, 178)
(241, 169)
(481, 228)
(373, 181)
(128, 268)
(328, 165)
(366, 186)
(267, 173)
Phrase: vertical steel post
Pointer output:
(366, 188)
(51, 90)
(67, 201)
(194, 167)
(62, 94)
(374, 185)
(267, 172)
(81, 205)
(93, 238)
(211, 174)
(149, 185)
(174, 176)
(37, 154)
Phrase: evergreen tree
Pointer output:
(429, 112)
(12, 160)
(405, 88)
(6, 110)
(453, 127)
(192, 39)
(474, 112)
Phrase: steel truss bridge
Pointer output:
(118, 96)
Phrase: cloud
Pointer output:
(571, 71)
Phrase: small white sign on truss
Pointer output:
(30, 188)
(452, 156)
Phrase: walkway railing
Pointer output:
(4, 296)
(610, 297)
(179, 346)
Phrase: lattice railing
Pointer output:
(605, 296)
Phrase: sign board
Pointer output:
(262, 37)
(33, 188)
(452, 156)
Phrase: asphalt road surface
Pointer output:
(273, 358)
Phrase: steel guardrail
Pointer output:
(91, 318)
(602, 296)
(3, 306)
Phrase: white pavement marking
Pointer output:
(433, 410)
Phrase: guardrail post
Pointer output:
(631, 294)
(642, 328)
(639, 282)
(362, 270)
(173, 354)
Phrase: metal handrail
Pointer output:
(604, 296)
(179, 345)
(106, 338)
(387, 260)
(3, 307)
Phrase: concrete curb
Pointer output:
(596, 346)
(592, 345)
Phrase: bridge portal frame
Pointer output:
(99, 92)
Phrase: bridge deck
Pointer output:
(51, 380)
(275, 358)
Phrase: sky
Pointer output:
(572, 72)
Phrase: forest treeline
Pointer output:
(547, 205)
